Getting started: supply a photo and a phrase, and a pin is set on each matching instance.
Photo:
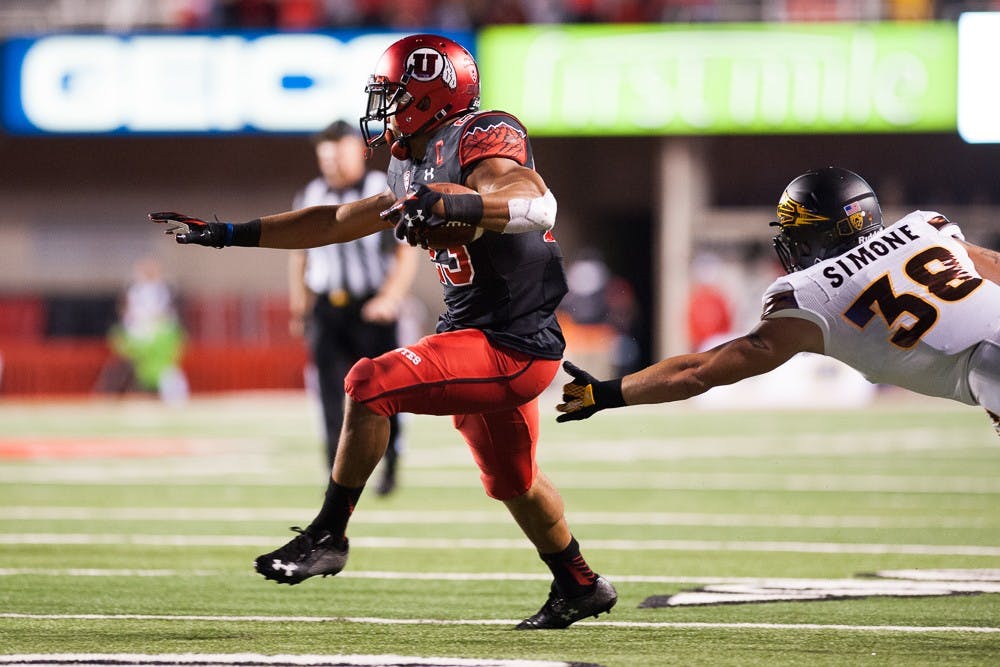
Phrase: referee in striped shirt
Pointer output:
(345, 298)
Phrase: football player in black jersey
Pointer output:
(497, 345)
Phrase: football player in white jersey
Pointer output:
(911, 304)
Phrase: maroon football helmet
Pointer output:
(420, 82)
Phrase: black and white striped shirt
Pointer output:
(358, 267)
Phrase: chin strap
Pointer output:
(400, 149)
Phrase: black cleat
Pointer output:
(307, 555)
(561, 612)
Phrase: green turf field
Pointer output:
(130, 527)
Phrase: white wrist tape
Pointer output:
(531, 215)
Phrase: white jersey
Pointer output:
(906, 307)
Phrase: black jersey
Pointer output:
(506, 285)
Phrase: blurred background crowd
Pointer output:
(452, 14)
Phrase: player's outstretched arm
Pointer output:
(303, 228)
(987, 261)
(190, 230)
(769, 345)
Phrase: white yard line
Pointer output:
(955, 578)
(430, 621)
(102, 572)
(788, 446)
(740, 481)
(263, 474)
(498, 517)
(474, 543)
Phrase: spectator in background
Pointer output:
(709, 313)
(148, 340)
(598, 297)
(346, 298)
(124, 15)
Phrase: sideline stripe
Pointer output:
(63, 448)
(497, 621)
(468, 543)
(259, 660)
(239, 514)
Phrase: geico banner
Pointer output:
(189, 83)
(723, 79)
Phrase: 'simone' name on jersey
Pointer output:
(850, 263)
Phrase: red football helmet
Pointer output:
(420, 81)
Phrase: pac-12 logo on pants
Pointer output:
(426, 64)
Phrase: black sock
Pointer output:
(337, 509)
(573, 575)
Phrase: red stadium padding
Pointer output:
(22, 317)
(238, 367)
(218, 319)
(72, 366)
(49, 367)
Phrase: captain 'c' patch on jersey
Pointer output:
(499, 139)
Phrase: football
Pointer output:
(452, 233)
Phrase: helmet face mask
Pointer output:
(385, 99)
(419, 82)
(822, 214)
(784, 247)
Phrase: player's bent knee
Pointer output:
(361, 371)
(361, 387)
(506, 487)
(358, 382)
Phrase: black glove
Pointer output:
(214, 234)
(585, 395)
(413, 215)
(194, 230)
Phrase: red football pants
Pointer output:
(492, 393)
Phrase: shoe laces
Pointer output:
(302, 545)
(556, 600)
